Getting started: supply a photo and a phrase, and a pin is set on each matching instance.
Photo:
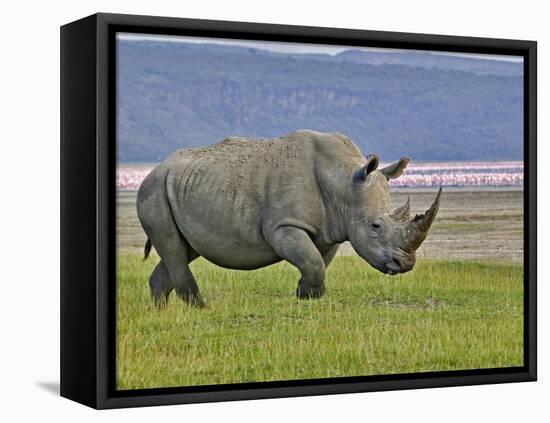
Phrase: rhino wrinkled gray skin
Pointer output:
(248, 203)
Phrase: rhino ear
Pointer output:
(396, 169)
(360, 176)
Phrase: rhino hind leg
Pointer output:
(176, 257)
(295, 246)
(161, 285)
(175, 252)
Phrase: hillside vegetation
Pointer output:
(426, 106)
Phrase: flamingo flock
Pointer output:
(462, 174)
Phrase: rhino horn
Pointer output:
(402, 214)
(418, 227)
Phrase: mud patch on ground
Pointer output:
(427, 303)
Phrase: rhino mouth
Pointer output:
(400, 264)
(392, 269)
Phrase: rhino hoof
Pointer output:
(160, 303)
(195, 301)
(309, 292)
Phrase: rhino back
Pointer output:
(229, 197)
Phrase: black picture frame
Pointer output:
(88, 161)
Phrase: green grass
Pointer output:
(441, 316)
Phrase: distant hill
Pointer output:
(428, 60)
(423, 105)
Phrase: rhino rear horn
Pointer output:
(402, 214)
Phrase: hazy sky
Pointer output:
(296, 48)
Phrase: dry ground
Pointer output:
(485, 224)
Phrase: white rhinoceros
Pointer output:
(248, 203)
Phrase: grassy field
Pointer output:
(444, 315)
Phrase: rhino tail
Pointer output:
(147, 249)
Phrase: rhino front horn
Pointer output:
(421, 223)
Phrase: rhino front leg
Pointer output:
(329, 254)
(295, 246)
